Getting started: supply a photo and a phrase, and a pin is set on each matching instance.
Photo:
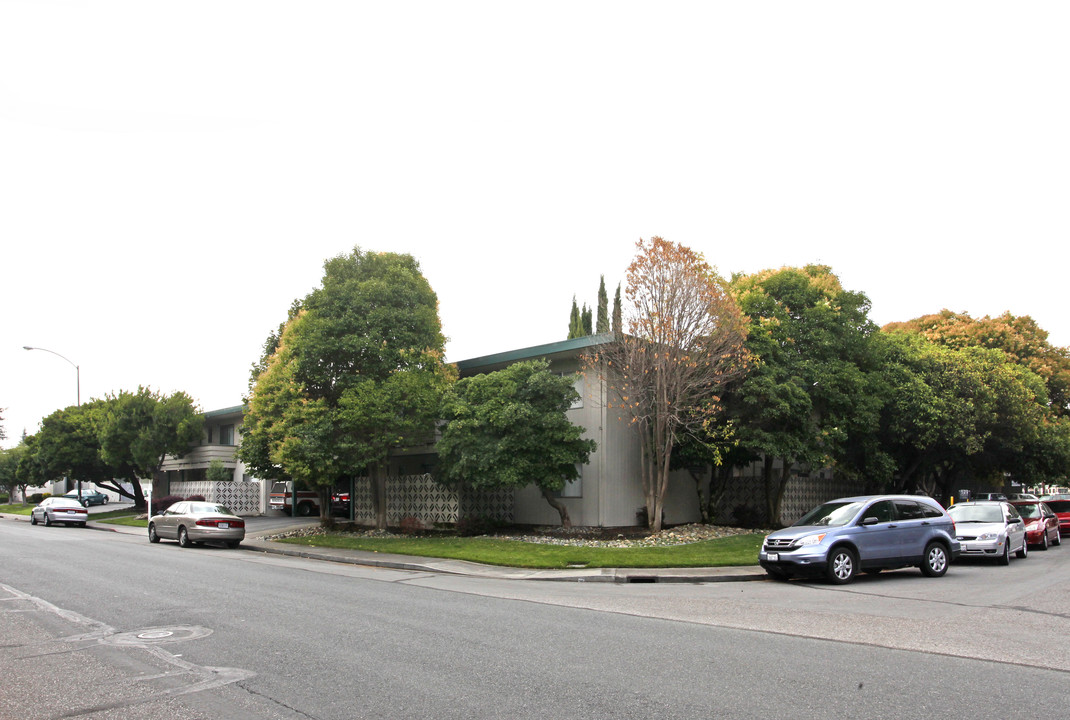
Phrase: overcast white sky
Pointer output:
(173, 175)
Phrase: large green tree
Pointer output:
(509, 429)
(357, 370)
(1020, 338)
(124, 436)
(953, 414)
(809, 396)
(139, 429)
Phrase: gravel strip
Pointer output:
(576, 537)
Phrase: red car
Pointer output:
(1041, 523)
(1061, 508)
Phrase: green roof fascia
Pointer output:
(564, 347)
(236, 410)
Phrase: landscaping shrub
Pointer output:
(161, 504)
(471, 525)
(38, 497)
(196, 498)
(411, 525)
(748, 516)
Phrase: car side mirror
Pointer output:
(870, 521)
(1014, 520)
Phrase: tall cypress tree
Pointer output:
(603, 307)
(575, 322)
(588, 320)
(617, 312)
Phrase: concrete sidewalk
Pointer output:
(257, 528)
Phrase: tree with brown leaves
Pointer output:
(683, 341)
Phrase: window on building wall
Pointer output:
(573, 488)
(578, 384)
(226, 434)
(208, 433)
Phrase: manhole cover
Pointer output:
(158, 635)
(155, 635)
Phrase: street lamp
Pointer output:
(77, 370)
(78, 378)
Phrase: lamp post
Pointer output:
(77, 370)
(78, 380)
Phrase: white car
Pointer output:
(59, 510)
(989, 528)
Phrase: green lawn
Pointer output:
(120, 517)
(16, 509)
(735, 550)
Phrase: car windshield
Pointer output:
(976, 513)
(1032, 510)
(198, 508)
(833, 513)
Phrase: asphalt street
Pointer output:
(105, 625)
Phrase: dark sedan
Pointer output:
(89, 497)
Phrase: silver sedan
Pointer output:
(989, 528)
(191, 522)
(59, 510)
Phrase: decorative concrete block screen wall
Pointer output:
(421, 497)
(241, 498)
(801, 495)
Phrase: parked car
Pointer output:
(59, 509)
(1041, 523)
(89, 497)
(871, 533)
(1021, 496)
(989, 496)
(190, 522)
(1061, 508)
(989, 528)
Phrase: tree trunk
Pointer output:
(378, 487)
(559, 506)
(774, 489)
(700, 480)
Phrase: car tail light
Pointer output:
(214, 522)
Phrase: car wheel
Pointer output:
(85, 503)
(1024, 552)
(33, 519)
(842, 565)
(935, 563)
(153, 537)
(1058, 539)
(304, 509)
(183, 538)
(48, 520)
(105, 500)
(1005, 559)
(1044, 541)
(233, 544)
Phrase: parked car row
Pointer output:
(841, 538)
(189, 522)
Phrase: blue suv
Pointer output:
(871, 533)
